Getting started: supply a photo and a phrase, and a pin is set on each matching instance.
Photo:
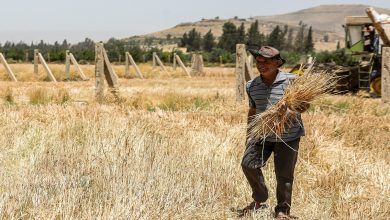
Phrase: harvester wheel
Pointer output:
(375, 85)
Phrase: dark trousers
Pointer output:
(255, 157)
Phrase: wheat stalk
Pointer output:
(301, 91)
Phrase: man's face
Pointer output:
(267, 65)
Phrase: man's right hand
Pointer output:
(283, 109)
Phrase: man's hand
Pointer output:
(283, 109)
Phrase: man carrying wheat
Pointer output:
(264, 92)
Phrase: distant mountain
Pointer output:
(324, 17)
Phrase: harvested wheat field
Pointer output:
(171, 148)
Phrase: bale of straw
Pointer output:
(299, 94)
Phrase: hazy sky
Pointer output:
(74, 20)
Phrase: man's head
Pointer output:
(268, 59)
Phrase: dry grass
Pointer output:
(128, 161)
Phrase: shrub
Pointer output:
(63, 96)
(9, 96)
(39, 96)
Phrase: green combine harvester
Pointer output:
(364, 38)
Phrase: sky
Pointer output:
(74, 20)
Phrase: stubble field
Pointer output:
(171, 148)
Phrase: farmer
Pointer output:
(368, 35)
(264, 91)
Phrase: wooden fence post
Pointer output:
(182, 65)
(249, 74)
(174, 61)
(154, 59)
(242, 72)
(137, 70)
(250, 60)
(26, 54)
(127, 70)
(99, 72)
(36, 61)
(76, 64)
(104, 70)
(46, 67)
(68, 59)
(197, 63)
(385, 83)
(159, 62)
(7, 68)
(111, 77)
(201, 63)
(67, 65)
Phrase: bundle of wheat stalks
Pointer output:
(301, 92)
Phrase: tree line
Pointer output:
(85, 51)
(292, 43)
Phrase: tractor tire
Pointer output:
(375, 86)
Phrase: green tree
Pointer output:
(254, 36)
(282, 37)
(216, 53)
(274, 37)
(208, 41)
(65, 45)
(194, 40)
(114, 48)
(84, 50)
(300, 39)
(309, 45)
(289, 41)
(169, 37)
(241, 33)
(136, 52)
(326, 38)
(184, 40)
(228, 39)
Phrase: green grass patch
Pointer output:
(342, 105)
(169, 102)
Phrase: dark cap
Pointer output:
(267, 52)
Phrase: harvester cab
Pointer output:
(364, 39)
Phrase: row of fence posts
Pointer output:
(197, 66)
(243, 70)
(120, 58)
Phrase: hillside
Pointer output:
(325, 19)
(215, 25)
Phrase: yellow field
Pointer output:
(171, 149)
